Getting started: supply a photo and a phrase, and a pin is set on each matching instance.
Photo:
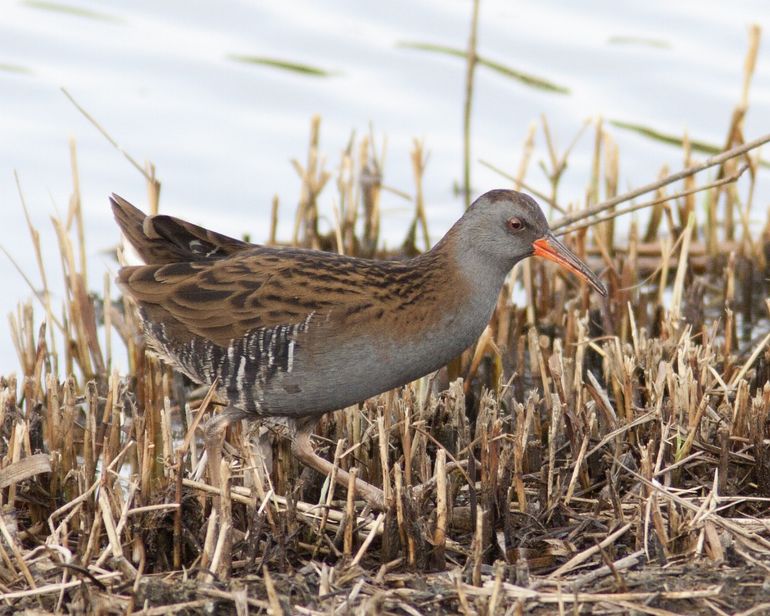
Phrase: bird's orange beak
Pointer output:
(552, 249)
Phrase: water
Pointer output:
(159, 78)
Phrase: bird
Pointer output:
(289, 334)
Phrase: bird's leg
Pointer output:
(304, 452)
(214, 433)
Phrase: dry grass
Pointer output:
(585, 456)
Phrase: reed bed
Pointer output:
(586, 456)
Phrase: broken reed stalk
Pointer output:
(46, 294)
(439, 535)
(76, 211)
(313, 178)
(272, 237)
(383, 451)
(370, 180)
(419, 161)
(678, 290)
(350, 516)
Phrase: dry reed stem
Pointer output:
(419, 161)
(376, 527)
(109, 138)
(615, 213)
(678, 290)
(439, 534)
(670, 179)
(25, 468)
(350, 514)
(470, 69)
(383, 450)
(35, 237)
(497, 585)
(272, 237)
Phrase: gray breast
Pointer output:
(341, 370)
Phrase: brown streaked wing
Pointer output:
(223, 299)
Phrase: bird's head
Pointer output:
(508, 226)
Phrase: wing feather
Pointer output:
(209, 300)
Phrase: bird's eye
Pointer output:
(514, 224)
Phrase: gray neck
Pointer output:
(471, 285)
(483, 282)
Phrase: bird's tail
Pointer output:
(165, 239)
